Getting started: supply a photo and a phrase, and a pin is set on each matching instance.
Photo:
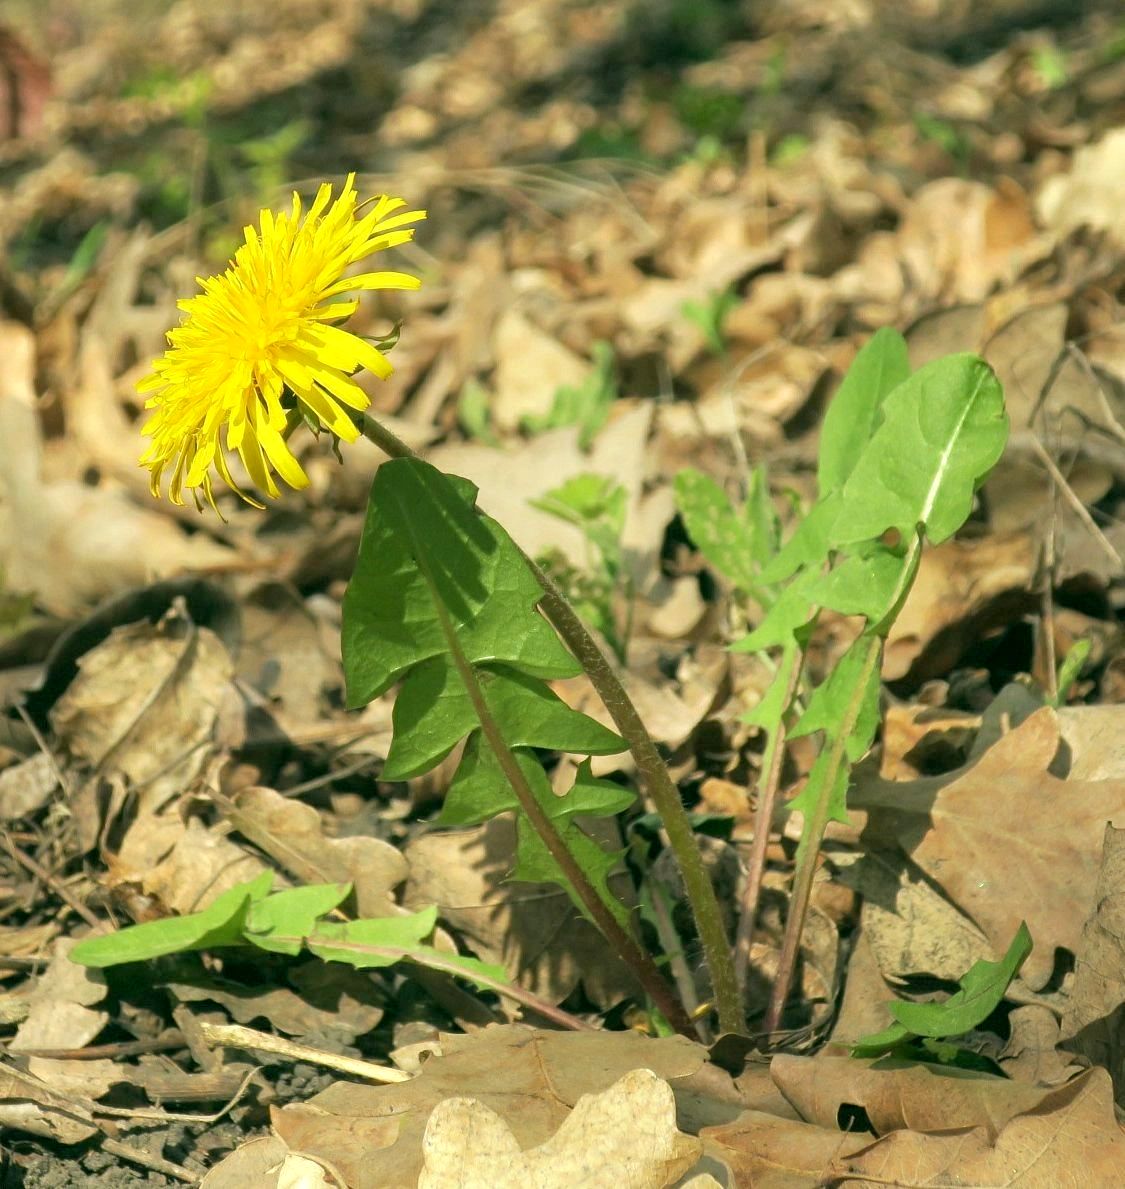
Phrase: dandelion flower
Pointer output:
(261, 345)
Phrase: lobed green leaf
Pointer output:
(391, 622)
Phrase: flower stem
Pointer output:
(813, 835)
(653, 772)
(664, 795)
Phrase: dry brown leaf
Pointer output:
(145, 704)
(1094, 740)
(1072, 1139)
(914, 733)
(624, 1136)
(1089, 195)
(1032, 1054)
(911, 929)
(508, 479)
(960, 238)
(29, 1104)
(65, 542)
(292, 834)
(1094, 1023)
(332, 1003)
(532, 1079)
(963, 588)
(25, 787)
(864, 1007)
(255, 1163)
(289, 653)
(62, 1001)
(901, 1095)
(766, 1152)
(1004, 838)
(531, 366)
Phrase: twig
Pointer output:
(172, 1038)
(116, 1147)
(55, 884)
(237, 1037)
(1076, 505)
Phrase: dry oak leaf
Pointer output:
(1070, 1141)
(1005, 839)
(623, 1138)
(900, 1095)
(1093, 1024)
(771, 1153)
(532, 1079)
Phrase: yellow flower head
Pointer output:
(265, 326)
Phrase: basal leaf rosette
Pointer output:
(261, 347)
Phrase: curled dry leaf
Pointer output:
(1032, 1053)
(62, 1012)
(625, 1137)
(183, 867)
(144, 709)
(1087, 195)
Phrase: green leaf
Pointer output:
(942, 431)
(892, 1039)
(390, 618)
(452, 571)
(220, 923)
(281, 922)
(736, 541)
(808, 547)
(584, 498)
(474, 413)
(373, 941)
(982, 991)
(773, 704)
(385, 941)
(710, 315)
(479, 791)
(854, 412)
(825, 712)
(433, 712)
(873, 583)
(788, 619)
(596, 504)
(1070, 669)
